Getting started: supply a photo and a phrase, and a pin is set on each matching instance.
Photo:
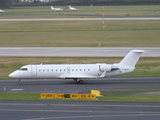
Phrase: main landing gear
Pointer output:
(78, 81)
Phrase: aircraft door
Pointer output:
(33, 70)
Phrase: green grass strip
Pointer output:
(129, 98)
(19, 96)
(132, 90)
(104, 98)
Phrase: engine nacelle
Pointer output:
(104, 67)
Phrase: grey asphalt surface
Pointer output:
(77, 51)
(49, 110)
(70, 86)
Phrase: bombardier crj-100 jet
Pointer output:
(1, 11)
(72, 8)
(56, 9)
(78, 72)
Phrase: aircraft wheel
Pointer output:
(80, 81)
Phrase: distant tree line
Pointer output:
(3, 3)
(81, 2)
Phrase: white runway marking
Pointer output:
(17, 89)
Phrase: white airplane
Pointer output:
(56, 9)
(72, 8)
(1, 11)
(78, 72)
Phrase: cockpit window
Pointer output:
(23, 69)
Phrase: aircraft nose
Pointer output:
(14, 75)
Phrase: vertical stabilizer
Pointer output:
(52, 8)
(131, 58)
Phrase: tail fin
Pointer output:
(52, 8)
(70, 7)
(131, 58)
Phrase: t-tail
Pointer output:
(131, 58)
(52, 8)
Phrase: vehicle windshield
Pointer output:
(23, 69)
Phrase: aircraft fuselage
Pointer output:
(70, 71)
(79, 71)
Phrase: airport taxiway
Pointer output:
(70, 86)
(77, 51)
(50, 110)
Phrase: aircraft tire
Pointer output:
(80, 81)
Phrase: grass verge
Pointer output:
(80, 34)
(104, 98)
(83, 11)
(132, 90)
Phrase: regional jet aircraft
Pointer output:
(56, 9)
(1, 11)
(72, 8)
(78, 72)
